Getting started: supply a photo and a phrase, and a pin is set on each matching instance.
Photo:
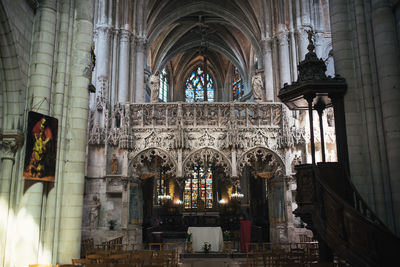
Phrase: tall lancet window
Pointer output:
(197, 84)
(199, 188)
(237, 84)
(164, 85)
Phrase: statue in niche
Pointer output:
(94, 213)
(155, 87)
(114, 164)
(258, 86)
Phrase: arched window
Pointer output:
(196, 85)
(199, 187)
(237, 84)
(164, 86)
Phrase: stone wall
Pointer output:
(366, 53)
(45, 57)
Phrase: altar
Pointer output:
(212, 235)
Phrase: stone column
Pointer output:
(140, 61)
(123, 80)
(102, 61)
(318, 44)
(73, 177)
(284, 59)
(49, 234)
(268, 70)
(388, 69)
(125, 202)
(8, 148)
(114, 68)
(40, 87)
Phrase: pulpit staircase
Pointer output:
(338, 216)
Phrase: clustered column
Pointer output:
(140, 62)
(284, 58)
(123, 80)
(268, 69)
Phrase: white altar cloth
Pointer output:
(212, 235)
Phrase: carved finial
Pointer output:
(310, 46)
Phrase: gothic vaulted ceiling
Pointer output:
(181, 33)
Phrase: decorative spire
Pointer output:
(311, 68)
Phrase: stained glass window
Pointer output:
(163, 86)
(237, 85)
(160, 184)
(198, 187)
(196, 84)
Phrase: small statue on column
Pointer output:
(94, 213)
(155, 87)
(114, 164)
(258, 85)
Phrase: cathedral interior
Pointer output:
(125, 123)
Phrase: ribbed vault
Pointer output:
(232, 33)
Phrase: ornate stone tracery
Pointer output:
(137, 161)
(185, 132)
(274, 166)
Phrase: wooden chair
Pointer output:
(95, 258)
(79, 262)
(155, 246)
(117, 258)
(252, 247)
(125, 265)
(143, 256)
(96, 265)
(322, 264)
(40, 265)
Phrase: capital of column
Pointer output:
(125, 35)
(267, 45)
(283, 38)
(9, 144)
(103, 31)
(140, 44)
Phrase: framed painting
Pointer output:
(41, 147)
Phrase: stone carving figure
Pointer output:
(155, 87)
(94, 213)
(114, 164)
(257, 85)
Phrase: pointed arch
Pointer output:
(275, 165)
(136, 163)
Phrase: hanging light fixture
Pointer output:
(237, 194)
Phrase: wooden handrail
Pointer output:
(337, 214)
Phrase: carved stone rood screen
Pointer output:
(180, 130)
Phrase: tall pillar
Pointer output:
(123, 80)
(140, 61)
(284, 58)
(74, 175)
(268, 70)
(388, 69)
(40, 88)
(318, 44)
(114, 68)
(102, 59)
(49, 234)
(8, 147)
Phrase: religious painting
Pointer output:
(41, 147)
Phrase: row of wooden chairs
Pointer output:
(283, 259)
(306, 247)
(164, 258)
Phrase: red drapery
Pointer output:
(245, 234)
